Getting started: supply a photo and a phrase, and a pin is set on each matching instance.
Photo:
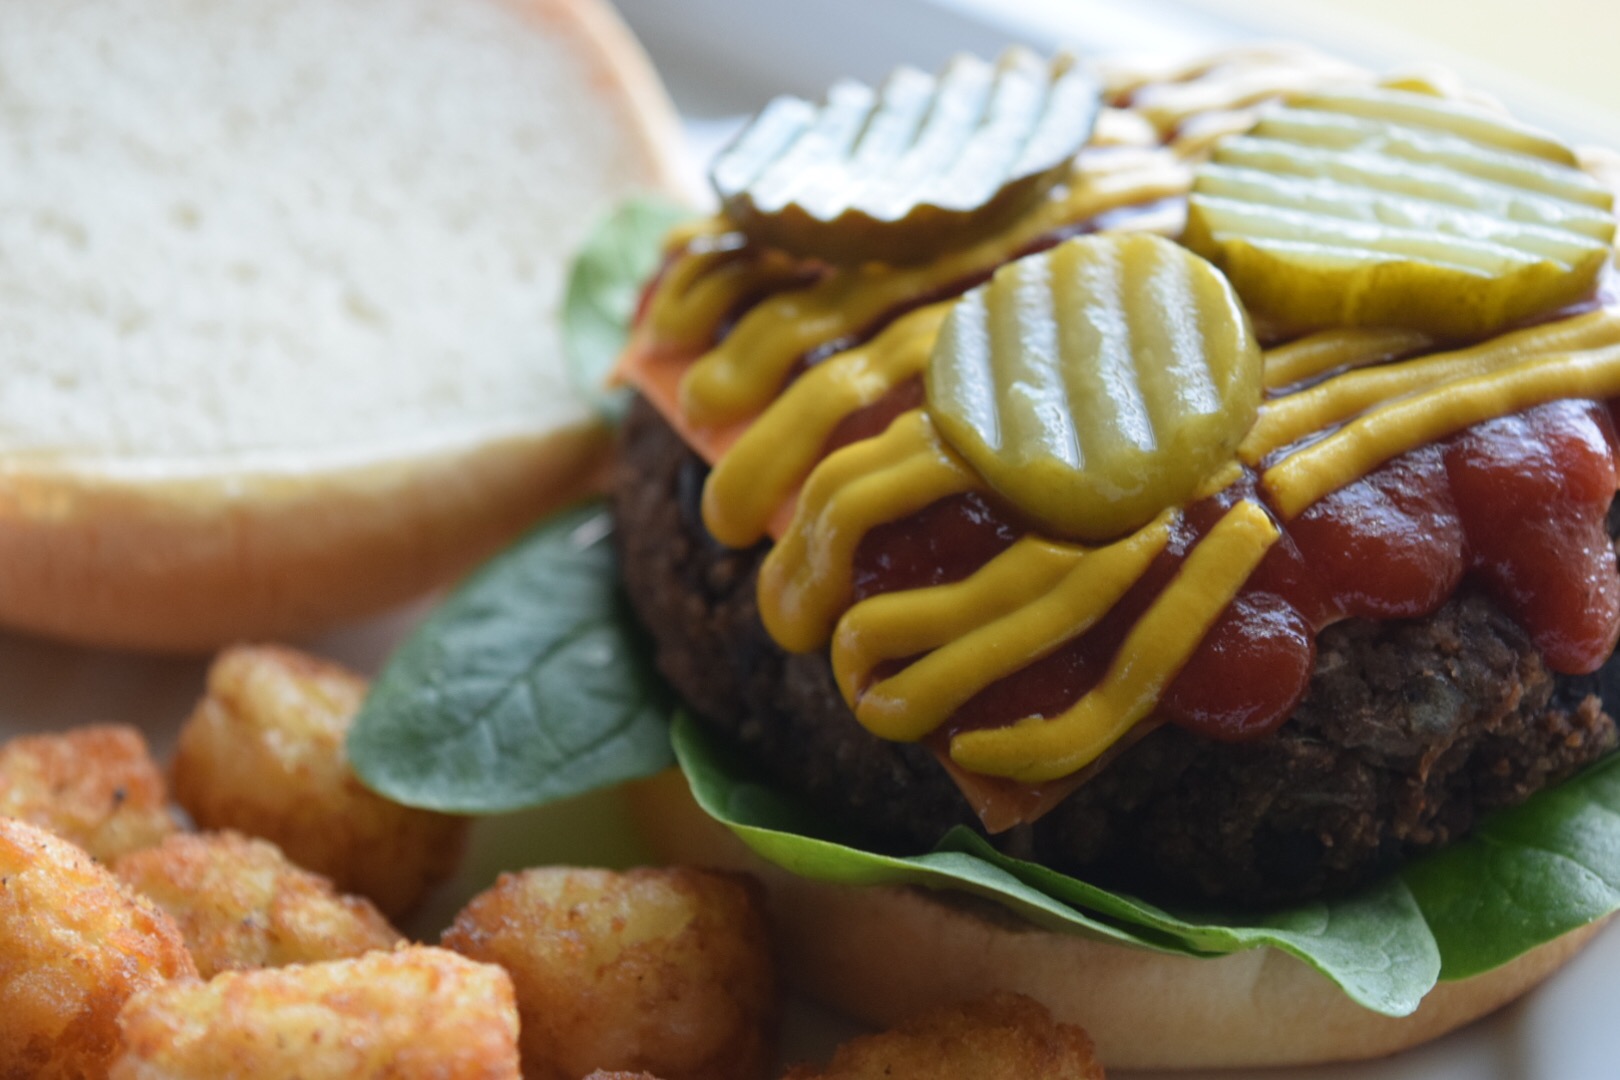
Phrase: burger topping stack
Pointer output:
(914, 169)
(1066, 480)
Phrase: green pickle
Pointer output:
(1097, 383)
(1384, 207)
(926, 164)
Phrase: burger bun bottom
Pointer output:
(881, 953)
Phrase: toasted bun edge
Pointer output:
(882, 953)
(624, 67)
(187, 564)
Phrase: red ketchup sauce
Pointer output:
(1518, 506)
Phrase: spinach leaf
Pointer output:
(528, 685)
(1527, 875)
(619, 256)
(784, 832)
(1375, 945)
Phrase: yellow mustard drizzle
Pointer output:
(1192, 106)
(1122, 127)
(701, 311)
(922, 696)
(1389, 430)
(1039, 593)
(775, 454)
(692, 230)
(1196, 137)
(1337, 350)
(702, 287)
(896, 625)
(967, 635)
(805, 581)
(970, 634)
(1288, 419)
(740, 376)
(1219, 480)
(1037, 749)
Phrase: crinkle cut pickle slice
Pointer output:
(1097, 383)
(1382, 207)
(925, 164)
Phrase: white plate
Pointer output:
(723, 58)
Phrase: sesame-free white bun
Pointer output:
(279, 295)
(882, 953)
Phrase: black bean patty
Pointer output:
(1410, 729)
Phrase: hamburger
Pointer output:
(927, 529)
(1140, 541)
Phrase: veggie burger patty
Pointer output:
(1409, 731)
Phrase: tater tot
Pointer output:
(95, 786)
(241, 904)
(417, 1013)
(666, 971)
(74, 944)
(263, 755)
(1004, 1037)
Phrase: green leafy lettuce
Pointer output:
(1375, 945)
(604, 284)
(527, 686)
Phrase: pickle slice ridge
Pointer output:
(1097, 383)
(1380, 207)
(921, 165)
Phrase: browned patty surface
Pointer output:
(1410, 729)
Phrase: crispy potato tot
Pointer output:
(1003, 1037)
(417, 1012)
(263, 754)
(241, 904)
(74, 944)
(95, 786)
(667, 971)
